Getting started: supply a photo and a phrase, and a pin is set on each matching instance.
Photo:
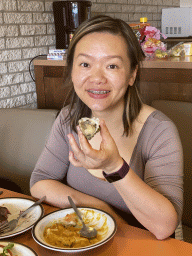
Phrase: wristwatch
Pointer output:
(118, 175)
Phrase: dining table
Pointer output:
(127, 241)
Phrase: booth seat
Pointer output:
(181, 114)
(23, 133)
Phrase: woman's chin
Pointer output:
(96, 108)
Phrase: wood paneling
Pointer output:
(166, 84)
(51, 92)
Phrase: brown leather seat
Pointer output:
(181, 114)
(23, 133)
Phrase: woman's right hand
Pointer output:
(106, 158)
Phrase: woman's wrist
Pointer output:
(115, 167)
(119, 174)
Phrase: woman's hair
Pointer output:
(133, 103)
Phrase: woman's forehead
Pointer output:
(102, 42)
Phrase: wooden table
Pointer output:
(128, 241)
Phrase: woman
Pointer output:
(133, 167)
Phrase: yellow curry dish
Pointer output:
(64, 232)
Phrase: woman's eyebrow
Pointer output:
(114, 57)
(104, 57)
(84, 55)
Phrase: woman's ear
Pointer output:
(133, 76)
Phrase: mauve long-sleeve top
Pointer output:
(157, 159)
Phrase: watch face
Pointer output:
(113, 177)
(118, 175)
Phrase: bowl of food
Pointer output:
(12, 207)
(15, 249)
(59, 231)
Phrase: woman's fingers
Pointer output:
(73, 160)
(87, 157)
(105, 134)
(83, 141)
(80, 156)
(76, 150)
(85, 145)
(108, 144)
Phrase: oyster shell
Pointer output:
(89, 126)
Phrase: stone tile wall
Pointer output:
(27, 30)
(131, 10)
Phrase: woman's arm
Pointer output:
(57, 195)
(154, 211)
(161, 193)
(151, 208)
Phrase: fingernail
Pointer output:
(79, 130)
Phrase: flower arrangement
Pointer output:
(150, 41)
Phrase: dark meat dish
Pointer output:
(3, 214)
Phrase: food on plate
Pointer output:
(70, 220)
(6, 250)
(61, 233)
(3, 214)
(89, 126)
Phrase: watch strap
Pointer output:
(118, 175)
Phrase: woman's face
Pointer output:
(101, 71)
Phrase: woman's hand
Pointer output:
(106, 158)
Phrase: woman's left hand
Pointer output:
(106, 158)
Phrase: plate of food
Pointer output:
(11, 207)
(15, 249)
(59, 230)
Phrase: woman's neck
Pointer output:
(113, 119)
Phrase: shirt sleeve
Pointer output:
(164, 164)
(54, 160)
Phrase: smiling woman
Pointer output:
(133, 165)
(108, 53)
(101, 71)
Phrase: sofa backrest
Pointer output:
(181, 114)
(23, 133)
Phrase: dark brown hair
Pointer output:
(133, 103)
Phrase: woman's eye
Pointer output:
(112, 66)
(85, 65)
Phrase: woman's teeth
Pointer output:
(98, 92)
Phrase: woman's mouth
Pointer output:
(98, 94)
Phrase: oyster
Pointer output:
(89, 126)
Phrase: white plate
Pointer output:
(15, 205)
(38, 229)
(20, 249)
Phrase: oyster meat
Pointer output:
(89, 126)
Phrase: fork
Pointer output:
(86, 231)
(11, 225)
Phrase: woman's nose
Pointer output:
(97, 76)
